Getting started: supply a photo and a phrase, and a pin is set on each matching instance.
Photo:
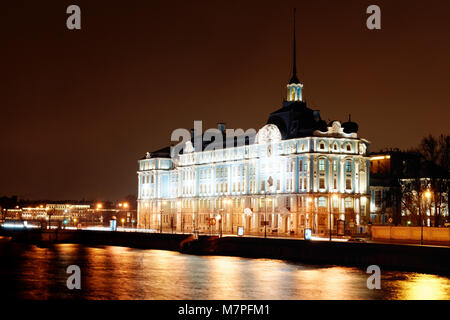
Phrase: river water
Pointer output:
(110, 272)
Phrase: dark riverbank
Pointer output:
(427, 259)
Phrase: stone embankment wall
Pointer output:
(410, 233)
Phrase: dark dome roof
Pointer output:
(321, 125)
(349, 126)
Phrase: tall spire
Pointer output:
(294, 87)
(294, 78)
(294, 64)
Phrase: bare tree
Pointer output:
(435, 162)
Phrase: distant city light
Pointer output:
(380, 157)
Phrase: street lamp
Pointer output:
(265, 214)
(428, 196)
(160, 220)
(122, 220)
(309, 213)
(228, 202)
(334, 197)
(179, 209)
(219, 218)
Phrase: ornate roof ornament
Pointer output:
(336, 130)
(268, 133)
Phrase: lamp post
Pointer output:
(227, 203)
(265, 214)
(160, 220)
(428, 196)
(269, 183)
(334, 197)
(309, 213)
(219, 218)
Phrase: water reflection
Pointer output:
(124, 273)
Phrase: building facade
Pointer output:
(403, 192)
(299, 172)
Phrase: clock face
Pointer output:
(268, 133)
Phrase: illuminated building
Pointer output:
(395, 178)
(297, 170)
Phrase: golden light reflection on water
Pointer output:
(123, 273)
(417, 286)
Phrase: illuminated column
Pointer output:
(342, 176)
(356, 174)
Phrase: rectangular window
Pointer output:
(322, 202)
(321, 164)
(348, 183)
(348, 166)
(300, 165)
(378, 198)
(348, 202)
(322, 183)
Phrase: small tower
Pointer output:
(294, 87)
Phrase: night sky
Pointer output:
(79, 108)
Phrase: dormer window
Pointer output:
(321, 146)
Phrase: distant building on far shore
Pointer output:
(74, 214)
(397, 181)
